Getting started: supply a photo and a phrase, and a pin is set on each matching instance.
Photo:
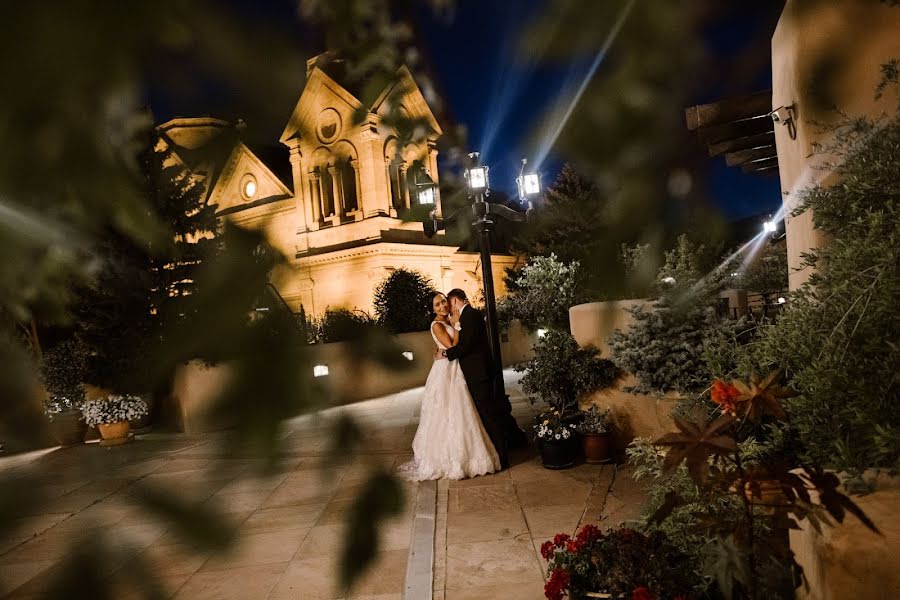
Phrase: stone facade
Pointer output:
(336, 215)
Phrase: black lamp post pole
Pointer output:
(484, 225)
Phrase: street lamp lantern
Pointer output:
(529, 183)
(426, 190)
(477, 177)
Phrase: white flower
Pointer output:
(557, 436)
(113, 409)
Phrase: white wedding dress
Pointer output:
(451, 442)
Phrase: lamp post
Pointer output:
(484, 215)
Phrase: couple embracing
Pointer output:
(465, 422)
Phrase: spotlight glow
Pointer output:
(541, 333)
(320, 370)
(782, 300)
(550, 140)
(769, 227)
(408, 355)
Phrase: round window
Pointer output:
(328, 125)
(248, 186)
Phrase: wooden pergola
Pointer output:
(740, 128)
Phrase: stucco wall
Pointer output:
(852, 38)
(632, 415)
(350, 379)
(848, 560)
(591, 324)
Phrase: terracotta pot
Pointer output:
(114, 433)
(596, 447)
(557, 454)
(68, 427)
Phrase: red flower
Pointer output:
(588, 534)
(560, 539)
(724, 394)
(642, 593)
(547, 550)
(574, 546)
(556, 584)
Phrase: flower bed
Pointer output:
(113, 409)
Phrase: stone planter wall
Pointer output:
(349, 378)
(632, 415)
(848, 560)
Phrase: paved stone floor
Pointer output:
(290, 526)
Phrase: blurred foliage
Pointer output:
(403, 301)
(541, 293)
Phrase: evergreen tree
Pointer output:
(140, 287)
(403, 301)
(572, 223)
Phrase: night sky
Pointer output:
(500, 99)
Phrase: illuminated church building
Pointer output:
(335, 215)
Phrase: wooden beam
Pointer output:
(715, 134)
(761, 166)
(747, 156)
(726, 111)
(743, 143)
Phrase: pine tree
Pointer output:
(140, 288)
(573, 224)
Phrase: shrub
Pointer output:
(836, 341)
(560, 371)
(63, 371)
(544, 290)
(403, 301)
(342, 325)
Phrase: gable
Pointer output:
(230, 189)
(411, 98)
(320, 93)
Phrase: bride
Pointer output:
(451, 441)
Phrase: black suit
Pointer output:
(473, 351)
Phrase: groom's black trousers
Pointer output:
(484, 397)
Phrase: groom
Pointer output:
(474, 354)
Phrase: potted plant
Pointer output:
(556, 439)
(595, 435)
(620, 563)
(63, 369)
(558, 374)
(113, 415)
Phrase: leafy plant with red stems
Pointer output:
(775, 496)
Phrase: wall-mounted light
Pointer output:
(408, 355)
(785, 116)
(320, 370)
(770, 226)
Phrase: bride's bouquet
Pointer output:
(549, 426)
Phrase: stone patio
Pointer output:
(289, 527)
